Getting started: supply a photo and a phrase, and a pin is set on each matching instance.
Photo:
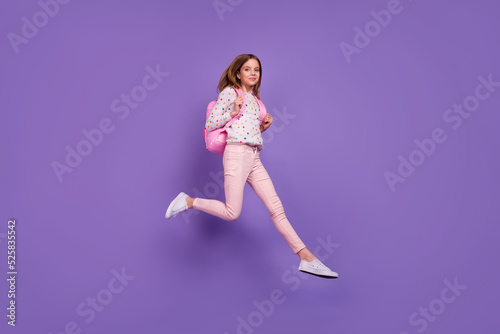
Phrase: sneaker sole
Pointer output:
(319, 275)
(311, 271)
(169, 209)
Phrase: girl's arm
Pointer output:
(220, 114)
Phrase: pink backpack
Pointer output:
(215, 140)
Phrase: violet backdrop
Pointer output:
(379, 171)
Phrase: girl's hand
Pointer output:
(266, 122)
(238, 102)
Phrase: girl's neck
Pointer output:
(248, 90)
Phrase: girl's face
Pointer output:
(249, 73)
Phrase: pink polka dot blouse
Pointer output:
(245, 130)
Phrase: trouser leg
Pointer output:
(237, 166)
(263, 186)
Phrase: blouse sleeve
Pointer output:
(220, 114)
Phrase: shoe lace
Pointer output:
(321, 265)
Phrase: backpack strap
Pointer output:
(263, 110)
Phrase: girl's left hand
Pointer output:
(268, 119)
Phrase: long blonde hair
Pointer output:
(230, 79)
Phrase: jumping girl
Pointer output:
(241, 159)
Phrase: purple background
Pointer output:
(348, 123)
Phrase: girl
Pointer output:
(241, 160)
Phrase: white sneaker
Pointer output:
(177, 206)
(316, 267)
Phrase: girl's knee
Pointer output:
(232, 215)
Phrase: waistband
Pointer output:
(254, 148)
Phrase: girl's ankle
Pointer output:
(189, 202)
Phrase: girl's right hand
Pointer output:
(238, 102)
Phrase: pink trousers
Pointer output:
(242, 164)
